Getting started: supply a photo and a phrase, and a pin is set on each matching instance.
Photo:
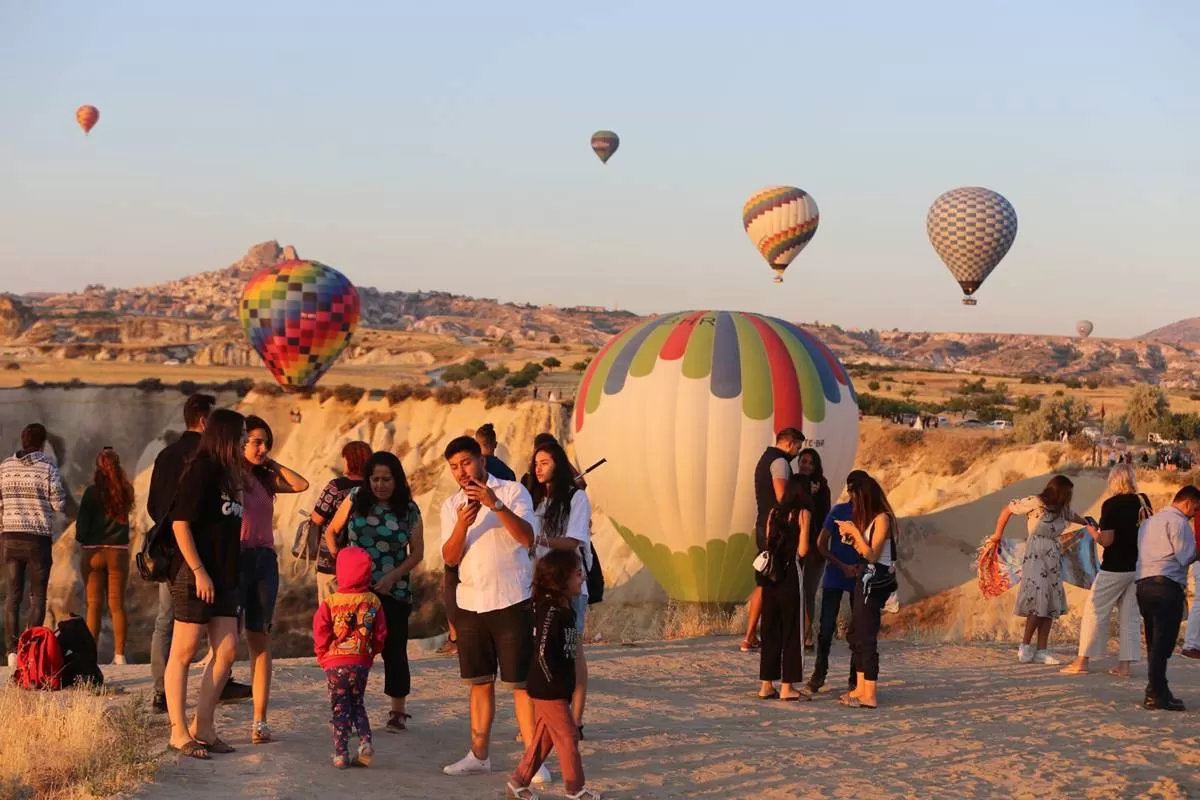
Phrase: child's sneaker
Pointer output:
(520, 792)
(586, 794)
(341, 762)
(365, 753)
(1044, 657)
(469, 765)
(1025, 654)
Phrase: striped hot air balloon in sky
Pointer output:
(604, 144)
(87, 117)
(683, 406)
(780, 221)
(299, 316)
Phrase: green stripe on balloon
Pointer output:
(698, 359)
(811, 393)
(647, 355)
(600, 376)
(757, 402)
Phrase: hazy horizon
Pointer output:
(447, 149)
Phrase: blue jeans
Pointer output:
(160, 642)
(831, 606)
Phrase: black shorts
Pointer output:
(492, 639)
(450, 581)
(190, 608)
(258, 587)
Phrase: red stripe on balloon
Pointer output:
(676, 344)
(588, 377)
(785, 384)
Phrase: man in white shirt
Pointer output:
(487, 532)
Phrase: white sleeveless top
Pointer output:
(885, 558)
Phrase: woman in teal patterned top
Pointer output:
(381, 517)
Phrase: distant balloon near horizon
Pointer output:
(299, 316)
(972, 229)
(780, 221)
(683, 407)
(604, 144)
(87, 117)
(1084, 328)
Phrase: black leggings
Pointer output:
(864, 638)
(782, 653)
(397, 681)
(24, 557)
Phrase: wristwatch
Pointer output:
(499, 505)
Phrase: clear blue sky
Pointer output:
(445, 146)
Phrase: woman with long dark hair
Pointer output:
(102, 531)
(259, 584)
(381, 518)
(788, 534)
(207, 524)
(563, 521)
(808, 466)
(872, 534)
(1041, 598)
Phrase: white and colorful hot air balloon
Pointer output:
(780, 221)
(1084, 328)
(971, 229)
(683, 406)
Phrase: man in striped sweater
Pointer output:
(31, 491)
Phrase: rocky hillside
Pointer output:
(194, 320)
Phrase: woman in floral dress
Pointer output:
(1041, 598)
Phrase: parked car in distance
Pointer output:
(1092, 432)
(1002, 425)
(973, 423)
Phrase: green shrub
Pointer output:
(449, 395)
(346, 393)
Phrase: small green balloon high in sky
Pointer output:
(604, 144)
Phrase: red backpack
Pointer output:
(39, 660)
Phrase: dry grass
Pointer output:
(74, 744)
(658, 621)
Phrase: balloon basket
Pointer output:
(970, 301)
(778, 279)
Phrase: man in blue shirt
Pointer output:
(842, 566)
(1166, 547)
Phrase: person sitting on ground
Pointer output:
(102, 531)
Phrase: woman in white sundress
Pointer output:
(1041, 598)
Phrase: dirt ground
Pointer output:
(679, 719)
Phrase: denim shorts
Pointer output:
(258, 587)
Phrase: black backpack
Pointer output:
(595, 579)
(80, 662)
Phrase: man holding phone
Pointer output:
(487, 532)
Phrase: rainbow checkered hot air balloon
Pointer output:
(299, 316)
(780, 221)
(683, 406)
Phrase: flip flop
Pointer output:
(854, 702)
(192, 749)
(217, 746)
(749, 647)
(771, 696)
(1071, 669)
(794, 699)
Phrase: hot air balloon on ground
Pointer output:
(1084, 328)
(604, 144)
(87, 117)
(299, 316)
(971, 229)
(683, 406)
(780, 221)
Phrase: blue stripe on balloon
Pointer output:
(829, 381)
(629, 350)
(727, 361)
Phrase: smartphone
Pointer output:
(1092, 521)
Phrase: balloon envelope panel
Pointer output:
(972, 229)
(683, 406)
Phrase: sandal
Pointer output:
(1071, 669)
(217, 745)
(749, 646)
(846, 699)
(260, 733)
(395, 722)
(772, 696)
(192, 749)
(854, 702)
(519, 792)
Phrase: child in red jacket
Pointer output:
(348, 632)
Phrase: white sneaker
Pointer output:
(542, 777)
(1025, 654)
(1044, 657)
(119, 661)
(12, 660)
(469, 765)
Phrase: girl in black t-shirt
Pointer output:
(1120, 517)
(207, 523)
